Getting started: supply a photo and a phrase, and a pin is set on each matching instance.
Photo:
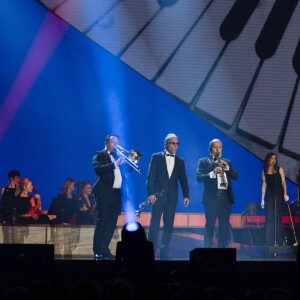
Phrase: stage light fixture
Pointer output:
(134, 251)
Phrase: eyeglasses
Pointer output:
(173, 143)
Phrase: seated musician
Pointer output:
(64, 206)
(86, 205)
(28, 208)
(8, 197)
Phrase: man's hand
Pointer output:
(120, 161)
(186, 202)
(152, 199)
(218, 170)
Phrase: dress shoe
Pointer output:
(107, 256)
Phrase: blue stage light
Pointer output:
(132, 226)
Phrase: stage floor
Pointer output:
(76, 242)
(253, 266)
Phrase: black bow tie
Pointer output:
(170, 155)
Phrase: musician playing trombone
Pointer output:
(107, 194)
(165, 170)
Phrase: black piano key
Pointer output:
(286, 143)
(274, 28)
(223, 110)
(166, 3)
(52, 4)
(237, 18)
(296, 59)
(230, 29)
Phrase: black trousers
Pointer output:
(217, 207)
(108, 211)
(167, 209)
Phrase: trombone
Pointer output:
(132, 158)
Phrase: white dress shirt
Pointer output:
(170, 160)
(118, 176)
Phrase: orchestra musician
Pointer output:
(8, 199)
(86, 205)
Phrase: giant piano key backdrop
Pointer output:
(62, 92)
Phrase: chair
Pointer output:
(251, 220)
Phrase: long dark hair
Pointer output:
(66, 184)
(267, 162)
(82, 185)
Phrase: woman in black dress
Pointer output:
(86, 205)
(274, 193)
(24, 201)
(65, 207)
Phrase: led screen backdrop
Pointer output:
(73, 71)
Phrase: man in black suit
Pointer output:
(107, 194)
(216, 174)
(165, 170)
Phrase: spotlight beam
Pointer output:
(46, 41)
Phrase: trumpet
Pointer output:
(146, 203)
(132, 158)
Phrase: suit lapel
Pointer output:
(175, 165)
(164, 164)
(210, 161)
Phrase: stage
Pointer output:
(63, 253)
(246, 235)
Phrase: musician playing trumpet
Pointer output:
(216, 174)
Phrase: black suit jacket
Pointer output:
(205, 166)
(104, 170)
(158, 178)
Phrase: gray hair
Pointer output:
(169, 136)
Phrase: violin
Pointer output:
(35, 205)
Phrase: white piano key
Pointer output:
(82, 14)
(162, 36)
(291, 140)
(266, 109)
(229, 82)
(192, 62)
(122, 24)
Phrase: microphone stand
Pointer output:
(275, 212)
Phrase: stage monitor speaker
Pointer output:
(206, 259)
(27, 258)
